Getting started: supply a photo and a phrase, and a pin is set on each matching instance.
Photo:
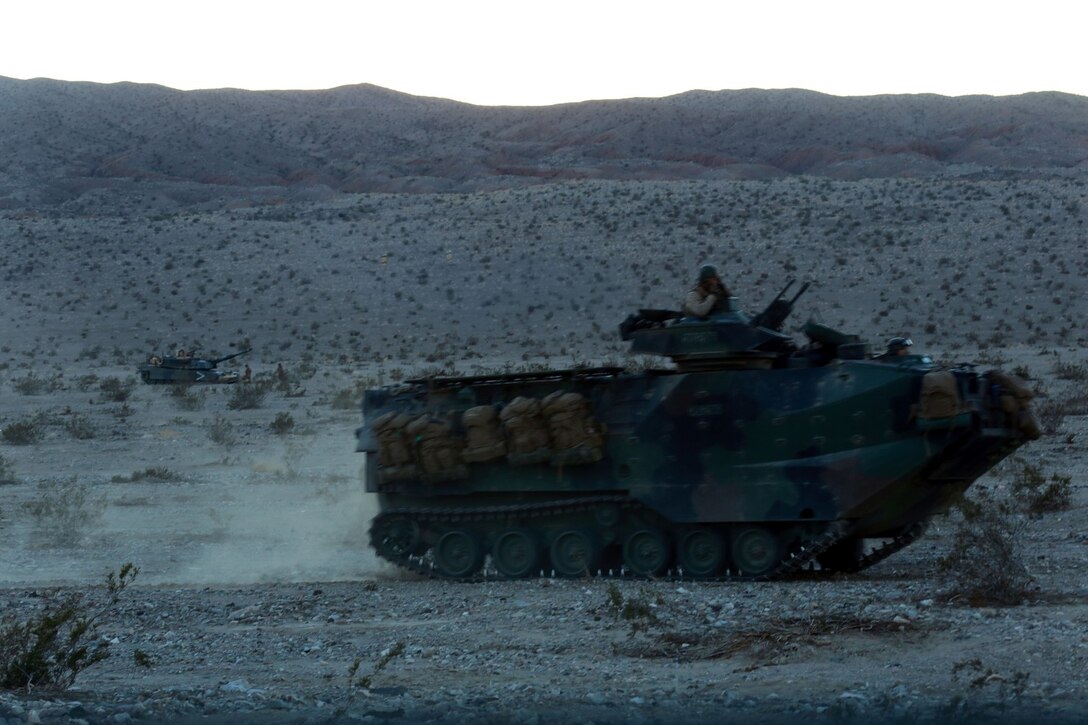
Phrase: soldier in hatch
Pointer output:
(897, 347)
(709, 296)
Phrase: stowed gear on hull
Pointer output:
(751, 459)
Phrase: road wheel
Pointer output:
(458, 554)
(575, 553)
(701, 553)
(516, 554)
(755, 551)
(647, 552)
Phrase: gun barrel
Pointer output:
(784, 290)
(799, 292)
(231, 356)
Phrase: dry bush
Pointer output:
(247, 396)
(349, 398)
(636, 611)
(184, 398)
(33, 385)
(156, 473)
(985, 564)
(116, 390)
(1037, 493)
(222, 432)
(1071, 371)
(282, 424)
(1075, 405)
(50, 649)
(24, 432)
(62, 511)
(1051, 414)
(7, 471)
(79, 426)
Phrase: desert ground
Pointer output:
(257, 598)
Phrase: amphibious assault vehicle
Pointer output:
(750, 457)
(183, 368)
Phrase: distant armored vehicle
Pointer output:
(749, 458)
(187, 369)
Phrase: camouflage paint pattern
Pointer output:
(749, 453)
(808, 444)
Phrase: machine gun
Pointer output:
(774, 316)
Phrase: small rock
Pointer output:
(235, 686)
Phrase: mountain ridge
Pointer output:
(62, 141)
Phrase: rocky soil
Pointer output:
(257, 595)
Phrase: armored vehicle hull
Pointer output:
(749, 473)
(749, 458)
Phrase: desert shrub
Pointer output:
(345, 399)
(79, 426)
(1051, 414)
(52, 647)
(62, 511)
(1071, 371)
(184, 398)
(294, 450)
(90, 353)
(222, 432)
(306, 369)
(247, 396)
(636, 611)
(33, 385)
(282, 424)
(24, 432)
(984, 565)
(1076, 404)
(116, 390)
(7, 471)
(157, 473)
(351, 397)
(86, 383)
(1039, 494)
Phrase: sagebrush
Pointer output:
(985, 564)
(62, 511)
(52, 647)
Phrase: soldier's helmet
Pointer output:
(708, 271)
(899, 343)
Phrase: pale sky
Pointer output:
(523, 52)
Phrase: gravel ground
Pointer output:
(256, 596)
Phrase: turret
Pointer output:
(728, 339)
(202, 364)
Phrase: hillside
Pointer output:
(96, 148)
(137, 219)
